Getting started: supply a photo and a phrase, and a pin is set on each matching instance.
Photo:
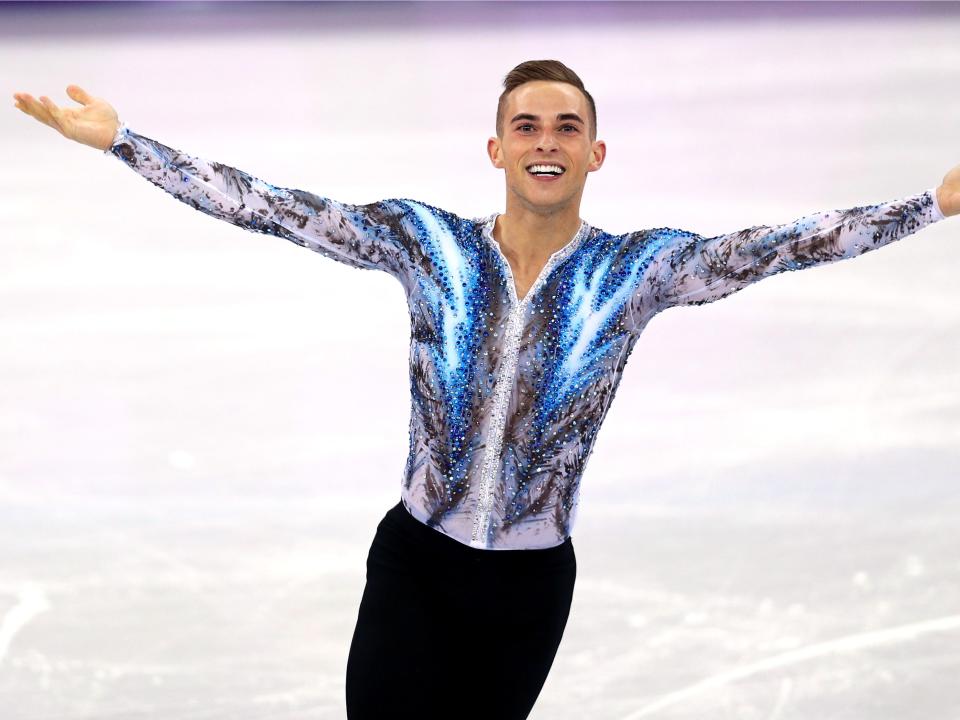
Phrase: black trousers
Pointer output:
(445, 630)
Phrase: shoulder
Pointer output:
(633, 240)
(423, 214)
(658, 238)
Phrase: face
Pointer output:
(546, 123)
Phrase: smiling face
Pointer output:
(546, 127)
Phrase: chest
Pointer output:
(525, 275)
(523, 280)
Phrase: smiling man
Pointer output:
(546, 148)
(521, 326)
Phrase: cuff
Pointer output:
(118, 136)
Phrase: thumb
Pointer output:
(79, 94)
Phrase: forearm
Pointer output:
(213, 188)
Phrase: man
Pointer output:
(521, 326)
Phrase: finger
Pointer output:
(51, 113)
(51, 107)
(79, 94)
(34, 109)
(24, 100)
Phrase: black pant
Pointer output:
(446, 630)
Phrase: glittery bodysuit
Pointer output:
(507, 395)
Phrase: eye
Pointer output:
(563, 127)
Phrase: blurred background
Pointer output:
(200, 427)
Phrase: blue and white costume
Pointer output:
(508, 394)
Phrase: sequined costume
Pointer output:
(507, 395)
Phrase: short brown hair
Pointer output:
(551, 70)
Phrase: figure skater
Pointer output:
(521, 325)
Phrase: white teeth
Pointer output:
(546, 168)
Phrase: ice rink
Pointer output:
(200, 427)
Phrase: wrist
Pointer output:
(936, 194)
(117, 135)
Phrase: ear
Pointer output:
(598, 154)
(495, 152)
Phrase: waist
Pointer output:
(403, 526)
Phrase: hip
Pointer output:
(403, 543)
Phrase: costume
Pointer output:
(507, 393)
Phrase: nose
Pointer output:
(546, 141)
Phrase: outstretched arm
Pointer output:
(698, 270)
(366, 236)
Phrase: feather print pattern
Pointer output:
(507, 395)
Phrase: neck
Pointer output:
(529, 238)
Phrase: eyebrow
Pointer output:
(560, 116)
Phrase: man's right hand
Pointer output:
(94, 124)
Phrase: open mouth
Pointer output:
(546, 171)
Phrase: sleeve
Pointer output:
(368, 236)
(701, 270)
